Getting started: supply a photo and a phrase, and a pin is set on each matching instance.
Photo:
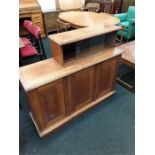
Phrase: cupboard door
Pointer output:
(48, 103)
(81, 88)
(106, 76)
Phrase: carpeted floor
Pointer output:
(107, 129)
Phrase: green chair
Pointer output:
(127, 20)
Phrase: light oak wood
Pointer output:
(69, 45)
(128, 57)
(43, 72)
(57, 93)
(37, 20)
(48, 102)
(106, 78)
(79, 19)
(84, 89)
(82, 33)
(57, 53)
(80, 85)
(30, 6)
(81, 88)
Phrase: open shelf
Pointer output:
(87, 42)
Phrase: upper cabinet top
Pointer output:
(81, 34)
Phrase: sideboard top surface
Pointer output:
(41, 73)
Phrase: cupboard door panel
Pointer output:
(49, 102)
(81, 88)
(52, 100)
(106, 76)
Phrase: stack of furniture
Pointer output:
(30, 10)
(50, 15)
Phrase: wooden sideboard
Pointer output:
(30, 10)
(58, 92)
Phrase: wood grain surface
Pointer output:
(82, 33)
(43, 72)
(128, 57)
(84, 19)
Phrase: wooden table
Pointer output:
(79, 19)
(128, 57)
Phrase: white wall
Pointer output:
(47, 5)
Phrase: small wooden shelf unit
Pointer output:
(80, 75)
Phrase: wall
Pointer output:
(126, 4)
(69, 4)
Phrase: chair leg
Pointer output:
(121, 37)
(20, 60)
(42, 48)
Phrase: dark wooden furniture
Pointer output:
(125, 5)
(93, 7)
(108, 6)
